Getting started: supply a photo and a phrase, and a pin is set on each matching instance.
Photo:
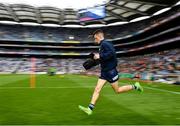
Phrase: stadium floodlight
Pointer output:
(118, 23)
(95, 25)
(72, 26)
(140, 18)
(29, 23)
(50, 25)
(162, 11)
(178, 3)
(8, 22)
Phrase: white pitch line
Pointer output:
(157, 89)
(163, 90)
(45, 87)
(151, 88)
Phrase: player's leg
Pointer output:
(121, 89)
(97, 90)
(95, 96)
(113, 78)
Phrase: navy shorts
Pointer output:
(111, 76)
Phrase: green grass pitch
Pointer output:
(55, 101)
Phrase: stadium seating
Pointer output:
(50, 34)
(157, 64)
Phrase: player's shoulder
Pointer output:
(106, 43)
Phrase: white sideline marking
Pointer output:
(163, 90)
(45, 87)
(157, 89)
(151, 88)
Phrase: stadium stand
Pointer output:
(156, 66)
(45, 34)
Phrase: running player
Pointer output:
(109, 73)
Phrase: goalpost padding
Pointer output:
(33, 73)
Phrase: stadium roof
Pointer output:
(117, 11)
(58, 3)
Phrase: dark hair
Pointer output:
(97, 31)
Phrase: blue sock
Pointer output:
(91, 106)
(134, 87)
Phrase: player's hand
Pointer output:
(96, 56)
